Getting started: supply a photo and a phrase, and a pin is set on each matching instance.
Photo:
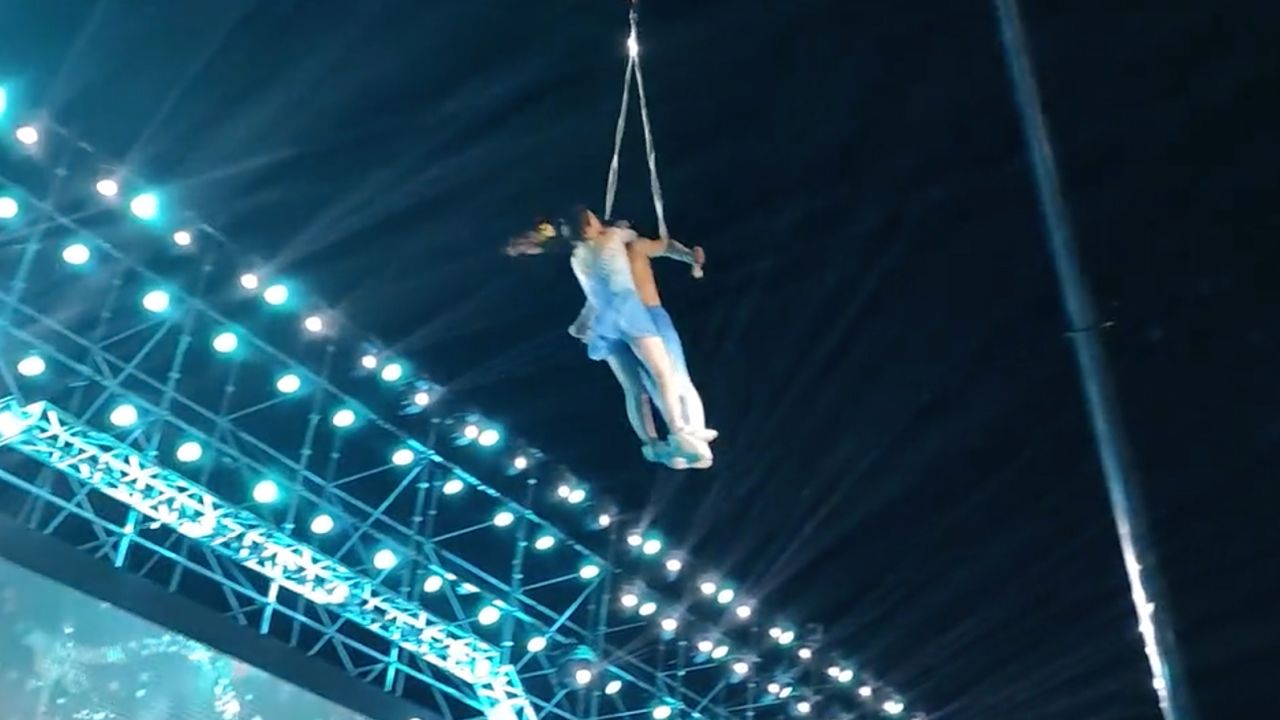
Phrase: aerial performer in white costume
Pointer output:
(624, 324)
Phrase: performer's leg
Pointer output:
(692, 411)
(653, 353)
(627, 369)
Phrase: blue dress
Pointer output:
(614, 314)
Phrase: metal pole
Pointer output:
(1118, 465)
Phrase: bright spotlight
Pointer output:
(504, 518)
(670, 624)
(707, 587)
(661, 712)
(589, 571)
(432, 584)
(634, 540)
(422, 398)
(471, 431)
(576, 496)
(452, 487)
(537, 643)
(189, 452)
(648, 609)
(402, 457)
(845, 676)
(865, 691)
(369, 362)
(384, 559)
(343, 418)
(313, 323)
(488, 437)
(775, 632)
(31, 366)
(288, 383)
(266, 492)
(322, 524)
(488, 615)
(8, 208)
(27, 135)
(604, 520)
(4, 99)
(249, 281)
(786, 637)
(156, 301)
(391, 372)
(75, 254)
(741, 667)
(629, 600)
(544, 542)
(652, 546)
(804, 707)
(520, 462)
(613, 687)
(276, 294)
(773, 688)
(107, 187)
(123, 415)
(805, 653)
(182, 238)
(894, 707)
(720, 652)
(674, 565)
(563, 491)
(583, 676)
(145, 206)
(225, 342)
(706, 646)
(786, 692)
(725, 596)
(743, 611)
(833, 672)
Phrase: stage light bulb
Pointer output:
(741, 667)
(322, 524)
(583, 676)
(589, 571)
(613, 687)
(488, 437)
(537, 643)
(652, 546)
(145, 206)
(893, 707)
(27, 135)
(786, 692)
(107, 187)
(865, 691)
(743, 611)
(662, 712)
(123, 415)
(503, 519)
(634, 540)
(775, 632)
(846, 676)
(629, 600)
(670, 624)
(520, 462)
(422, 398)
(288, 383)
(773, 688)
(488, 615)
(471, 431)
(674, 565)
(75, 254)
(804, 707)
(391, 372)
(706, 646)
(402, 457)
(833, 672)
(804, 653)
(182, 238)
(249, 281)
(604, 520)
(343, 418)
(545, 542)
(313, 324)
(433, 584)
(225, 342)
(720, 652)
(31, 366)
(156, 301)
(189, 452)
(648, 609)
(786, 637)
(576, 496)
(266, 491)
(384, 559)
(276, 294)
(707, 587)
(369, 361)
(4, 99)
(8, 208)
(725, 596)
(452, 487)
(563, 491)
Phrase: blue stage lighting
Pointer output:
(402, 457)
(156, 301)
(343, 418)
(432, 584)
(589, 571)
(145, 206)
(725, 596)
(537, 643)
(674, 565)
(544, 542)
(519, 462)
(471, 431)
(75, 254)
(719, 652)
(31, 366)
(266, 492)
(27, 135)
(288, 383)
(249, 281)
(369, 361)
(894, 707)
(488, 615)
(225, 342)
(504, 518)
(741, 667)
(652, 546)
(604, 520)
(107, 187)
(583, 676)
(322, 524)
(661, 712)
(182, 238)
(276, 295)
(845, 677)
(708, 588)
(865, 691)
(577, 496)
(422, 398)
(4, 99)
(384, 559)
(705, 646)
(613, 687)
(743, 611)
(8, 208)
(670, 624)
(391, 372)
(189, 452)
(804, 707)
(488, 437)
(453, 486)
(313, 324)
(647, 609)
(123, 415)
(629, 600)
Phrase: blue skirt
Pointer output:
(621, 318)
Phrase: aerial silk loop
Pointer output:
(611, 187)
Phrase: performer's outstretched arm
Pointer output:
(668, 248)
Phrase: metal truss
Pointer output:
(465, 595)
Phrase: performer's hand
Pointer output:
(699, 259)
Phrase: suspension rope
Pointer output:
(611, 189)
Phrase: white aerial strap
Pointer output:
(611, 188)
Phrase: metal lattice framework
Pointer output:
(142, 419)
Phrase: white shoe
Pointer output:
(706, 435)
(689, 449)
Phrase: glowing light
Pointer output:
(865, 691)
(123, 415)
(27, 135)
(613, 687)
(391, 372)
(471, 431)
(725, 596)
(249, 281)
(652, 546)
(182, 238)
(75, 254)
(705, 646)
(804, 707)
(156, 301)
(662, 712)
(520, 462)
(648, 609)
(31, 366)
(674, 565)
(720, 652)
(563, 491)
(369, 362)
(189, 452)
(743, 611)
(833, 672)
(267, 491)
(604, 520)
(589, 571)
(225, 342)
(629, 600)
(384, 559)
(322, 524)
(343, 418)
(8, 208)
(488, 437)
(452, 487)
(786, 638)
(107, 187)
(773, 688)
(276, 294)
(633, 45)
(670, 624)
(4, 99)
(577, 496)
(433, 584)
(422, 398)
(313, 323)
(741, 667)
(288, 383)
(775, 632)
(634, 540)
(545, 542)
(145, 206)
(804, 653)
(402, 457)
(488, 615)
(537, 643)
(504, 518)
(786, 692)
(707, 587)
(583, 676)
(894, 707)
(846, 676)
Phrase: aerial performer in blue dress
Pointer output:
(624, 324)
